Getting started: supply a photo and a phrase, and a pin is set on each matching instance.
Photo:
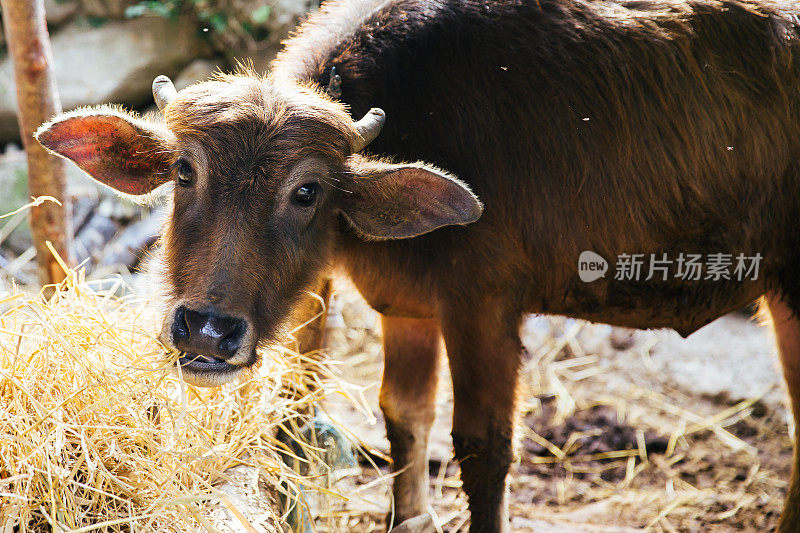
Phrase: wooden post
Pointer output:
(37, 101)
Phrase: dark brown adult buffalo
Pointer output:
(658, 135)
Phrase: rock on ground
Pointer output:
(106, 8)
(197, 70)
(113, 63)
(733, 357)
(58, 13)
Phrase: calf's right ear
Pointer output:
(114, 148)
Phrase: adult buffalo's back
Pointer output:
(612, 127)
(660, 131)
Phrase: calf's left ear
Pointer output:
(396, 201)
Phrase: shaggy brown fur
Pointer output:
(618, 127)
(632, 126)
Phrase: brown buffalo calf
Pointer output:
(660, 137)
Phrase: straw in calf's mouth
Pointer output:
(201, 361)
(199, 364)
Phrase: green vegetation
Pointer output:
(228, 22)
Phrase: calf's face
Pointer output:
(265, 175)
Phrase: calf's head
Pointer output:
(264, 173)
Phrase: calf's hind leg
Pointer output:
(786, 322)
(408, 398)
(484, 351)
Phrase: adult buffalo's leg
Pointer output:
(484, 352)
(786, 322)
(412, 349)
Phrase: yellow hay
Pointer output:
(98, 433)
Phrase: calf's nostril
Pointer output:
(180, 328)
(232, 341)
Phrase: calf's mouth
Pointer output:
(204, 363)
(209, 371)
(214, 347)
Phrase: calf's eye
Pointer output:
(306, 194)
(185, 173)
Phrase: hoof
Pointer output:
(419, 524)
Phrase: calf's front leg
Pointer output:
(786, 322)
(484, 351)
(412, 349)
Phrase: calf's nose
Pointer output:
(207, 333)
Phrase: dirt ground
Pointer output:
(618, 430)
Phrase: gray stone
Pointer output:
(59, 12)
(197, 70)
(113, 63)
(114, 9)
(733, 359)
(260, 58)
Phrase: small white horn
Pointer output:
(163, 91)
(368, 128)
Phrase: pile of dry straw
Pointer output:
(97, 432)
